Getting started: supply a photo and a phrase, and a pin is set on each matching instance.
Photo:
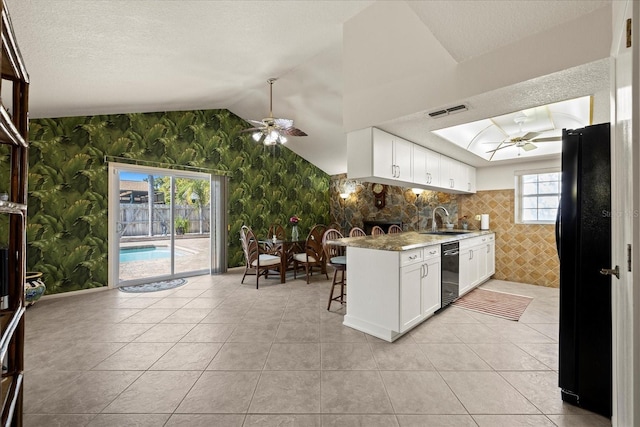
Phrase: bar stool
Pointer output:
(336, 257)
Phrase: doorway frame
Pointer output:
(114, 211)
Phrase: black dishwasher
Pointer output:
(450, 273)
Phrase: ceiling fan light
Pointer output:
(256, 136)
(283, 139)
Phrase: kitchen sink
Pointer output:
(445, 232)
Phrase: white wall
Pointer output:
(503, 177)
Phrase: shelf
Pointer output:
(10, 397)
(12, 208)
(10, 321)
(12, 63)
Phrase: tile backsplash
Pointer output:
(524, 253)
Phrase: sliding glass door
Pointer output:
(159, 224)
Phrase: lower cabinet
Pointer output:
(410, 296)
(430, 283)
(477, 261)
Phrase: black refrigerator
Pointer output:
(583, 236)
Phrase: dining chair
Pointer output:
(335, 226)
(357, 232)
(395, 229)
(377, 231)
(256, 261)
(278, 231)
(313, 255)
(336, 258)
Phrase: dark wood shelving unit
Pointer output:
(14, 88)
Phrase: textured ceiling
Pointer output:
(89, 57)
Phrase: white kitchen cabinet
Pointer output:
(391, 156)
(477, 261)
(426, 166)
(377, 156)
(430, 281)
(410, 295)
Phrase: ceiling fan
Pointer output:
(526, 141)
(272, 130)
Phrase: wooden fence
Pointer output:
(134, 219)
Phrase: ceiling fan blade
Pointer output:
(283, 123)
(500, 148)
(547, 139)
(256, 122)
(252, 129)
(530, 135)
(291, 131)
(528, 146)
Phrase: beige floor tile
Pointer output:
(225, 315)
(429, 332)
(66, 358)
(209, 332)
(187, 357)
(62, 420)
(507, 357)
(254, 332)
(88, 394)
(591, 420)
(354, 392)
(347, 356)
(287, 392)
(546, 353)
(220, 392)
(205, 420)
(158, 392)
(240, 357)
(204, 303)
(541, 389)
(188, 315)
(516, 332)
(400, 356)
(477, 333)
(359, 420)
(436, 421)
(335, 331)
(487, 393)
(549, 329)
(166, 332)
(170, 302)
(298, 314)
(298, 332)
(513, 421)
(149, 315)
(117, 332)
(420, 392)
(129, 420)
(454, 315)
(294, 357)
(43, 383)
(134, 357)
(293, 420)
(454, 357)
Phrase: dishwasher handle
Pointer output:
(451, 253)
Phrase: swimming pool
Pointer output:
(147, 253)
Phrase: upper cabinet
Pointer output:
(377, 156)
(391, 156)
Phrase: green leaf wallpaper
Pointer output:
(67, 212)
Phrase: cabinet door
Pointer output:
(383, 165)
(431, 286)
(480, 253)
(491, 257)
(402, 159)
(447, 172)
(410, 296)
(466, 271)
(433, 168)
(420, 173)
(471, 179)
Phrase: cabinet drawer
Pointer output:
(469, 243)
(410, 257)
(431, 252)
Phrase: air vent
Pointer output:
(438, 113)
(457, 109)
(447, 111)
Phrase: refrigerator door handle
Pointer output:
(558, 228)
(611, 272)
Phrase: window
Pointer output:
(537, 197)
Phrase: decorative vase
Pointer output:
(295, 234)
(34, 287)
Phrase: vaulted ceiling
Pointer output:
(89, 57)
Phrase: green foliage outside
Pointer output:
(68, 187)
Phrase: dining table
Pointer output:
(286, 249)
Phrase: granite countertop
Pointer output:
(407, 240)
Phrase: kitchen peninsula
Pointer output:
(395, 281)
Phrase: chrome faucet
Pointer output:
(434, 227)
